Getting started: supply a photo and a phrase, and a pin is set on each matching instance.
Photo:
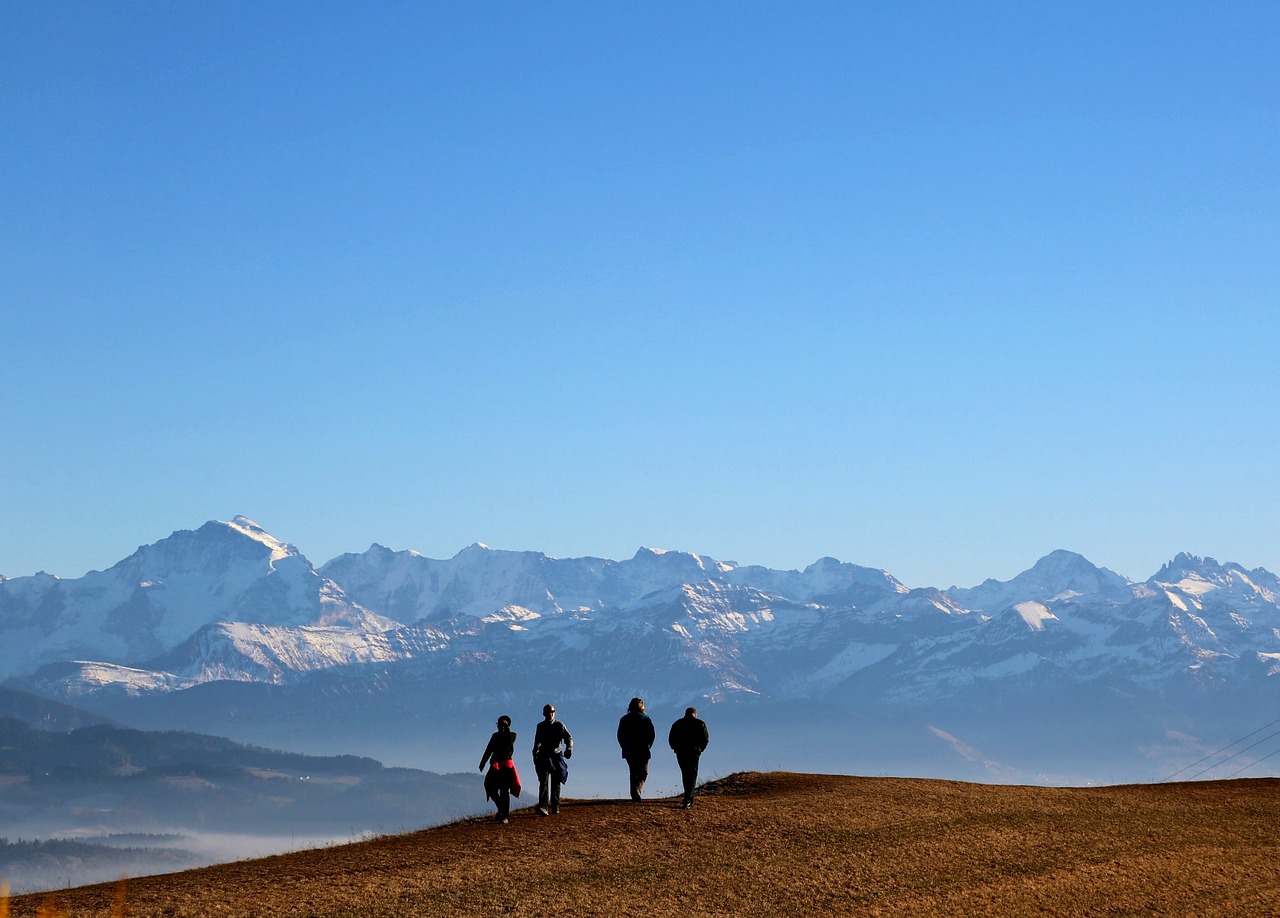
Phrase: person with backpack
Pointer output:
(687, 739)
(502, 780)
(635, 736)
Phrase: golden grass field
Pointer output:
(772, 844)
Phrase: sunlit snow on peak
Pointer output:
(248, 527)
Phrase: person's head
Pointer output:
(504, 723)
(690, 712)
(636, 706)
(549, 712)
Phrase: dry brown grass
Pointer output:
(777, 844)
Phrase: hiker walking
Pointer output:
(635, 736)
(552, 746)
(502, 780)
(688, 737)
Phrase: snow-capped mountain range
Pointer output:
(230, 602)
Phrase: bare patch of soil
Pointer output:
(775, 844)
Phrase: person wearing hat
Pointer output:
(552, 745)
(502, 780)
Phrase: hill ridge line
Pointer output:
(768, 843)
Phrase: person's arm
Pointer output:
(488, 751)
(568, 742)
(537, 740)
(704, 738)
(671, 735)
(650, 733)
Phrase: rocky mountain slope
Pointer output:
(230, 602)
(162, 594)
(387, 633)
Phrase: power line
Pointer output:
(1234, 754)
(1223, 749)
(1247, 767)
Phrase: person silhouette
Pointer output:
(552, 746)
(687, 739)
(502, 780)
(635, 736)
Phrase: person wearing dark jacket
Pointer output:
(552, 745)
(635, 736)
(687, 739)
(502, 780)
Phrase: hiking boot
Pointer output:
(542, 811)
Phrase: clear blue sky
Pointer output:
(931, 287)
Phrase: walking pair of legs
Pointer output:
(548, 793)
(689, 774)
(639, 768)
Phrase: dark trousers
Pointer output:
(503, 799)
(639, 768)
(549, 790)
(688, 772)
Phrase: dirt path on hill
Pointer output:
(775, 844)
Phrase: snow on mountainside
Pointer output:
(230, 603)
(1059, 575)
(1072, 621)
(161, 594)
(410, 587)
(826, 579)
(228, 651)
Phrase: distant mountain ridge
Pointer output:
(229, 602)
(163, 593)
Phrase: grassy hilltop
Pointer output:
(774, 844)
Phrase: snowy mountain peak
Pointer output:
(378, 550)
(1061, 561)
(163, 592)
(829, 575)
(474, 550)
(1195, 576)
(685, 559)
(1068, 571)
(229, 602)
(243, 527)
(1186, 566)
(1058, 576)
